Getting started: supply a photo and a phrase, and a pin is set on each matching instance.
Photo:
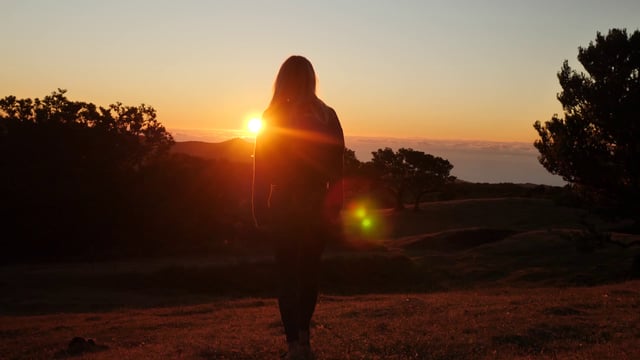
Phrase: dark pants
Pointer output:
(299, 235)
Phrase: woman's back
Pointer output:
(302, 144)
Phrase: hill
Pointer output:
(237, 149)
(474, 279)
(451, 245)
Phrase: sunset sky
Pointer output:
(483, 70)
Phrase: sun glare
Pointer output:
(255, 125)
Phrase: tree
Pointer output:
(595, 145)
(411, 172)
(70, 170)
(126, 135)
(427, 173)
(352, 165)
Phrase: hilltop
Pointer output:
(235, 149)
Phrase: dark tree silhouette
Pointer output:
(595, 146)
(127, 135)
(352, 165)
(70, 170)
(427, 173)
(411, 172)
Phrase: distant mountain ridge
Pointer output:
(236, 149)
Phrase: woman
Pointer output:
(297, 192)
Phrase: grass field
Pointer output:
(547, 323)
(473, 279)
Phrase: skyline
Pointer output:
(434, 69)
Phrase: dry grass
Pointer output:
(546, 323)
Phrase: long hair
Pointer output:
(295, 83)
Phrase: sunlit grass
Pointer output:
(575, 323)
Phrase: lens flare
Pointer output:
(365, 224)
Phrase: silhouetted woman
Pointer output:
(297, 191)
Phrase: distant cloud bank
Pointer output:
(473, 160)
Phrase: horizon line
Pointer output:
(244, 134)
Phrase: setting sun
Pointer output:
(255, 125)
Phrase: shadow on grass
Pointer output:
(182, 285)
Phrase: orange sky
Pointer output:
(432, 69)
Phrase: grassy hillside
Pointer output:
(473, 279)
(506, 213)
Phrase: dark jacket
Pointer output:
(300, 150)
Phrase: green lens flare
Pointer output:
(364, 224)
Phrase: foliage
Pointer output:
(411, 172)
(361, 182)
(352, 166)
(123, 135)
(595, 145)
(81, 181)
